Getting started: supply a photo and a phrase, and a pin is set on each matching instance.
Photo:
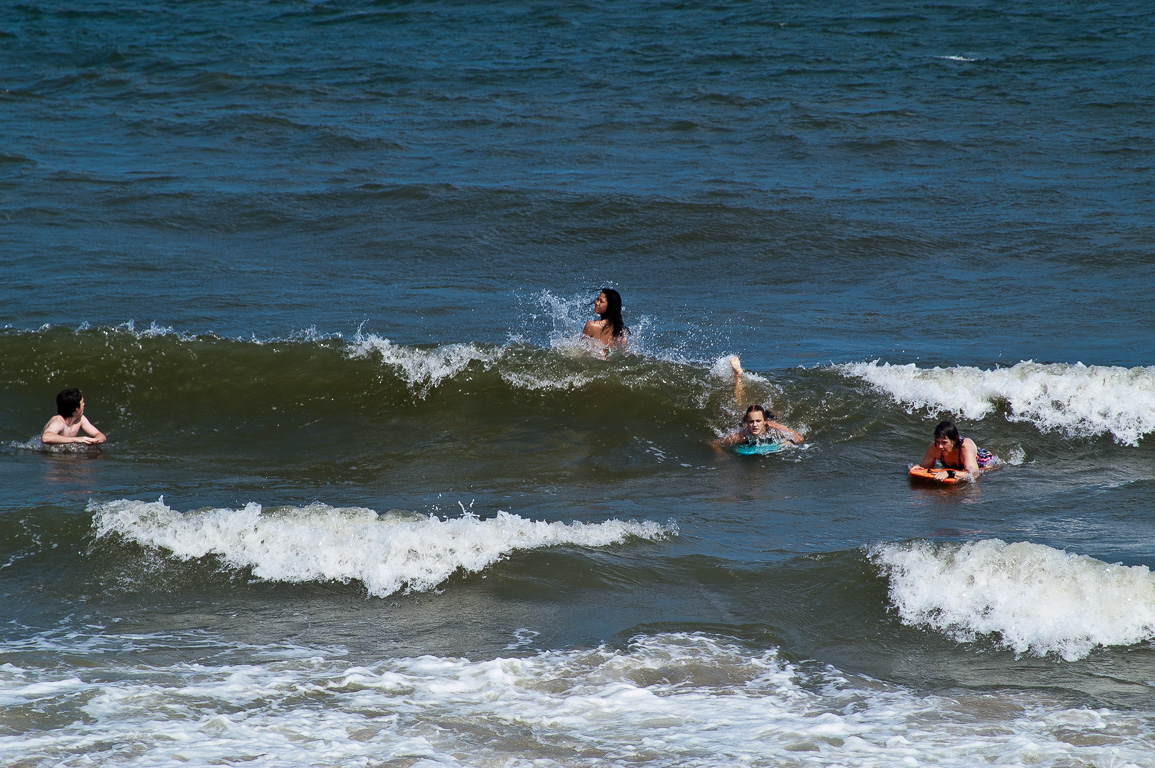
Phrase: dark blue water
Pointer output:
(319, 269)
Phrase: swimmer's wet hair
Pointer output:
(948, 430)
(68, 401)
(613, 313)
(766, 412)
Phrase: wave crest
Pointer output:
(425, 369)
(387, 553)
(1036, 599)
(1072, 398)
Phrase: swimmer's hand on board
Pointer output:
(961, 474)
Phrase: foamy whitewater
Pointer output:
(1030, 598)
(424, 370)
(370, 499)
(671, 699)
(386, 553)
(1074, 399)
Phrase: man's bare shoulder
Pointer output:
(55, 425)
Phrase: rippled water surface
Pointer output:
(320, 270)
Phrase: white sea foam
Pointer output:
(543, 381)
(35, 443)
(387, 553)
(127, 329)
(425, 369)
(667, 700)
(153, 331)
(721, 369)
(1031, 598)
(567, 317)
(1075, 399)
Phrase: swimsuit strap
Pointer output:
(960, 465)
(983, 457)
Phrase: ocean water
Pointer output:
(320, 269)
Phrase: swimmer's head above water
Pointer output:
(69, 401)
(608, 329)
(755, 421)
(608, 305)
(946, 436)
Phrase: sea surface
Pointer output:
(320, 269)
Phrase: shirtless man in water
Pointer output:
(70, 420)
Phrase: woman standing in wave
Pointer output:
(609, 330)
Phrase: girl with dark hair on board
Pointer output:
(609, 330)
(961, 458)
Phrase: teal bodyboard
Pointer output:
(759, 449)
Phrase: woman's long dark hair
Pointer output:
(613, 313)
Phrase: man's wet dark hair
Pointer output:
(68, 401)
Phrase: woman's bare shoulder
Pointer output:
(596, 328)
